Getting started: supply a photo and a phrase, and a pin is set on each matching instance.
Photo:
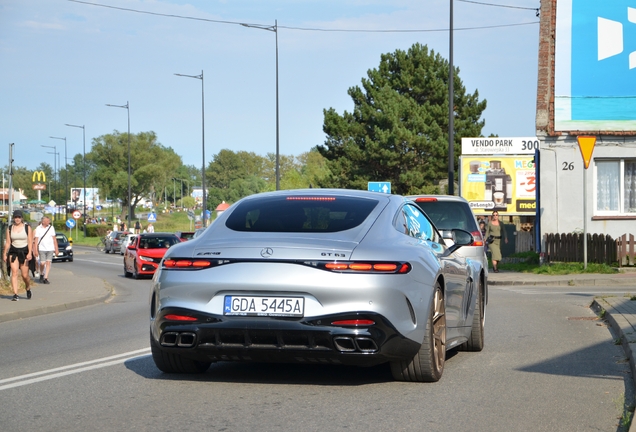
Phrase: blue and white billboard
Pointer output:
(595, 65)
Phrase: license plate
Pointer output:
(264, 306)
(60, 254)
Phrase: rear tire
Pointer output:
(428, 364)
(476, 340)
(126, 272)
(174, 363)
(135, 272)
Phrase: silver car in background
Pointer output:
(449, 212)
(318, 276)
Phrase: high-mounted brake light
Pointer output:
(173, 317)
(354, 322)
(425, 199)
(310, 198)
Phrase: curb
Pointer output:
(617, 322)
(11, 316)
(570, 282)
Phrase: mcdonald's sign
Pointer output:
(40, 176)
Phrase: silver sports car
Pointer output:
(318, 276)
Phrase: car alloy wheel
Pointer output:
(428, 364)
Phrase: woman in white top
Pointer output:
(18, 252)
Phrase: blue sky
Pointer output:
(63, 61)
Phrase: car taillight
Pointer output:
(479, 240)
(185, 263)
(364, 267)
(174, 317)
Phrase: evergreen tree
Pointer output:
(398, 130)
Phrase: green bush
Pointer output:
(96, 230)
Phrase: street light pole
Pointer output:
(274, 29)
(84, 161)
(54, 164)
(65, 174)
(127, 106)
(451, 111)
(205, 202)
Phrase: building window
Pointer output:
(615, 192)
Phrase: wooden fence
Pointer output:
(625, 250)
(569, 248)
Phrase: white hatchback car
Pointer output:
(127, 241)
(448, 212)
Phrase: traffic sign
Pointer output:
(207, 214)
(98, 207)
(77, 214)
(586, 145)
(384, 187)
(152, 217)
(70, 223)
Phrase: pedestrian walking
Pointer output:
(46, 246)
(18, 253)
(497, 230)
(137, 227)
(150, 228)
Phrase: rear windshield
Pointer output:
(300, 214)
(447, 215)
(158, 242)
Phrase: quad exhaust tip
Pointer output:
(357, 344)
(178, 339)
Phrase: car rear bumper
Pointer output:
(275, 339)
(64, 255)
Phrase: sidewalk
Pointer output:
(63, 293)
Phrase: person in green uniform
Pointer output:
(496, 229)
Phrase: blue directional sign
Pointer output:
(384, 187)
(70, 223)
(207, 214)
(152, 217)
(98, 207)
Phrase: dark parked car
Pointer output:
(64, 247)
(113, 241)
(318, 276)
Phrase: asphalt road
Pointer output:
(547, 366)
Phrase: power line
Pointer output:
(536, 10)
(303, 28)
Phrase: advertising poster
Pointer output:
(502, 183)
(92, 196)
(595, 66)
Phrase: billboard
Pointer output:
(502, 183)
(91, 195)
(595, 66)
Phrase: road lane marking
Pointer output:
(99, 262)
(75, 368)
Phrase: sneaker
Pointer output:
(15, 297)
(29, 294)
(41, 279)
(46, 281)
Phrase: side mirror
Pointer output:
(460, 238)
